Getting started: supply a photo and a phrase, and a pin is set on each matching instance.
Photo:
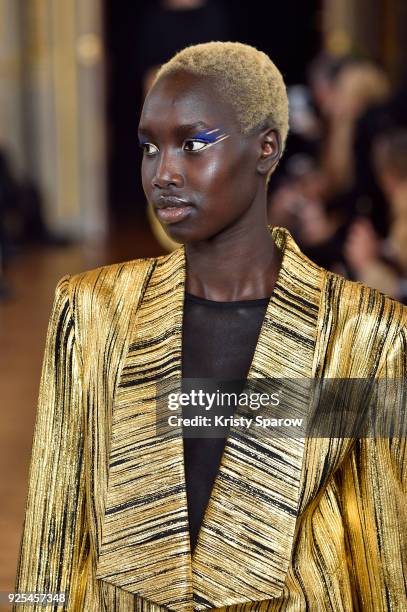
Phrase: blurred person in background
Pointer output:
(377, 262)
(300, 204)
(305, 130)
(345, 91)
(322, 74)
(367, 197)
(302, 197)
(351, 96)
(358, 86)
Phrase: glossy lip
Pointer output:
(171, 201)
(173, 214)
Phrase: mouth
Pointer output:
(172, 209)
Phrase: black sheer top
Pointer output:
(219, 339)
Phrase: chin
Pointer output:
(183, 235)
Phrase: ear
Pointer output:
(270, 150)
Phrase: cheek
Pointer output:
(146, 176)
(230, 182)
(208, 173)
(220, 172)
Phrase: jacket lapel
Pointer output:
(245, 543)
(145, 540)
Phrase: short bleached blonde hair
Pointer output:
(246, 78)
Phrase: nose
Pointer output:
(167, 174)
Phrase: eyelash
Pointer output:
(143, 146)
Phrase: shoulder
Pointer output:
(102, 300)
(109, 276)
(110, 280)
(350, 305)
(114, 283)
(105, 286)
(355, 300)
(360, 324)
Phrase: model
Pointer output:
(120, 517)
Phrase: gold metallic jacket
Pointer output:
(297, 524)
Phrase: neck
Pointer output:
(242, 262)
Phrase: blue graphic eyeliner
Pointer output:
(209, 136)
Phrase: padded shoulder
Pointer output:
(110, 275)
(358, 299)
(102, 300)
(359, 325)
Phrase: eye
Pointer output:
(194, 145)
(149, 148)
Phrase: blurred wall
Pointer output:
(11, 82)
(376, 29)
(52, 107)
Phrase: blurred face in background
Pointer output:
(323, 91)
(389, 157)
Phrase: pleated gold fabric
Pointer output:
(292, 524)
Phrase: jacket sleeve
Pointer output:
(374, 497)
(54, 544)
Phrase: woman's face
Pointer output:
(198, 171)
